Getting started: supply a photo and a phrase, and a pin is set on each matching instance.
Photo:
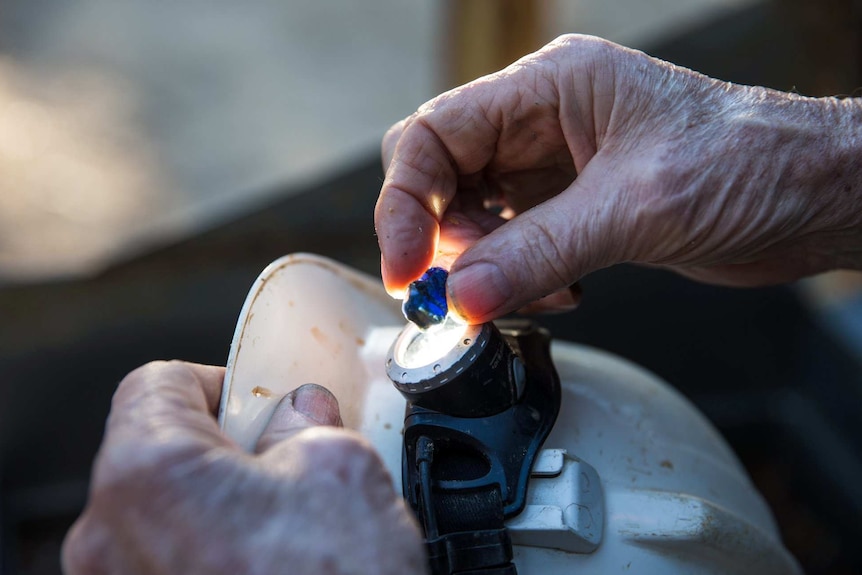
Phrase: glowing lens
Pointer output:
(427, 347)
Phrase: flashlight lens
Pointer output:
(457, 369)
(419, 348)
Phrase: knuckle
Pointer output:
(451, 111)
(391, 137)
(81, 551)
(565, 42)
(583, 58)
(343, 455)
(146, 373)
(580, 44)
(393, 133)
(145, 378)
(142, 373)
(334, 444)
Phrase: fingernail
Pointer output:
(316, 403)
(479, 290)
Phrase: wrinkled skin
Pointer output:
(171, 494)
(600, 155)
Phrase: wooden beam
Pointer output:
(484, 36)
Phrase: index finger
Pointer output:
(454, 134)
(167, 400)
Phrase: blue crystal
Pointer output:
(425, 304)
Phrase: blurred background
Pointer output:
(155, 156)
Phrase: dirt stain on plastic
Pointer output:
(318, 335)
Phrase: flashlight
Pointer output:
(481, 399)
(460, 370)
(442, 364)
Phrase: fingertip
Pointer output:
(394, 284)
(407, 235)
(399, 271)
(309, 405)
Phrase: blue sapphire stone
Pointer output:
(425, 304)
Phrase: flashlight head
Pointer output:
(456, 369)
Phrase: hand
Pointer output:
(171, 494)
(598, 155)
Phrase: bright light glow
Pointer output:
(398, 294)
(420, 348)
(454, 317)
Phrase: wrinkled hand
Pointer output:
(598, 155)
(171, 494)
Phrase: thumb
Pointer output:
(537, 253)
(307, 406)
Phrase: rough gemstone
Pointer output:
(425, 304)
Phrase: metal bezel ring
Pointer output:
(451, 364)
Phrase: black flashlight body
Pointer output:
(475, 421)
(479, 376)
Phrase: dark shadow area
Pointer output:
(781, 390)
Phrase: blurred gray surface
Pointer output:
(128, 123)
(637, 23)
